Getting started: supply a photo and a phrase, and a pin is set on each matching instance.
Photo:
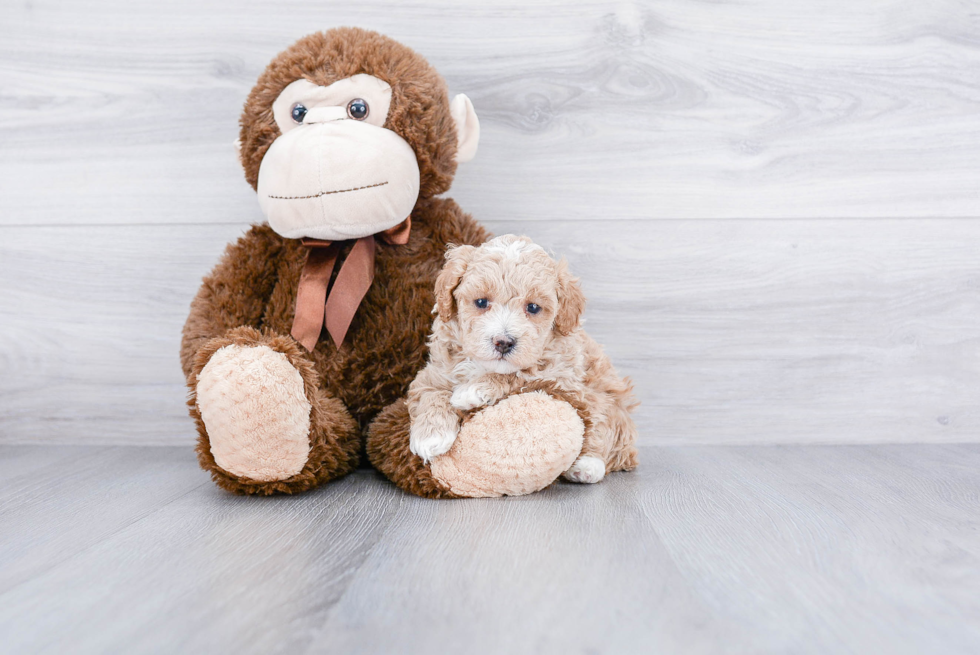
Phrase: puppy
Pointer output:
(509, 315)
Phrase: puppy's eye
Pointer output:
(481, 303)
(533, 308)
(298, 112)
(357, 109)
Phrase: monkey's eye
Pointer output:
(533, 308)
(481, 303)
(298, 112)
(357, 109)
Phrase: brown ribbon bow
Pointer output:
(314, 309)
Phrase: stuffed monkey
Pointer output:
(301, 343)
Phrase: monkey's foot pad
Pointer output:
(516, 447)
(256, 413)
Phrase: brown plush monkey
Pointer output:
(302, 342)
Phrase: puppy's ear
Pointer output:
(571, 301)
(456, 260)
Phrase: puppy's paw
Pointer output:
(587, 470)
(428, 441)
(469, 396)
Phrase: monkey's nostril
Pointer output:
(503, 345)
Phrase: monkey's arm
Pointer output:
(234, 294)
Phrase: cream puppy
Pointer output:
(509, 315)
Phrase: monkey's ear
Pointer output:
(456, 260)
(467, 128)
(571, 301)
(238, 150)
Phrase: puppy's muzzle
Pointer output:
(504, 345)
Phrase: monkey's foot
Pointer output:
(265, 426)
(256, 412)
(518, 446)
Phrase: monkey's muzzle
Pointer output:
(337, 179)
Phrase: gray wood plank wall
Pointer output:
(774, 206)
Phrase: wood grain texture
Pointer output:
(202, 571)
(119, 188)
(733, 331)
(802, 549)
(121, 112)
(85, 495)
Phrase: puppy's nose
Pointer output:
(503, 345)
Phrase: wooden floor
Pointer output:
(755, 549)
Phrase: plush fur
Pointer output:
(509, 316)
(419, 111)
(515, 448)
(387, 450)
(254, 403)
(521, 456)
(248, 301)
(250, 297)
(334, 436)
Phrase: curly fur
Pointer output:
(509, 273)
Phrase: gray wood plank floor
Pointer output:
(754, 549)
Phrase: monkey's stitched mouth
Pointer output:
(327, 193)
